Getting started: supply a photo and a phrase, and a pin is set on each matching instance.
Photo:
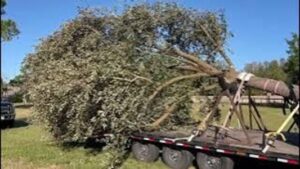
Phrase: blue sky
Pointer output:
(260, 27)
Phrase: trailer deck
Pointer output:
(234, 143)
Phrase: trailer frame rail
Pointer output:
(211, 148)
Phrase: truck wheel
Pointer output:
(11, 123)
(177, 159)
(3, 124)
(205, 161)
(145, 152)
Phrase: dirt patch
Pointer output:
(23, 112)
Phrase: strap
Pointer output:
(244, 75)
(266, 84)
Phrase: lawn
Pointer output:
(272, 117)
(28, 146)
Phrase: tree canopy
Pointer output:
(8, 27)
(286, 70)
(273, 69)
(292, 65)
(107, 73)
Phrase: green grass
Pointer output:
(29, 146)
(272, 117)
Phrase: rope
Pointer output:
(276, 87)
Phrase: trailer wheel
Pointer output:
(227, 163)
(177, 159)
(145, 152)
(205, 161)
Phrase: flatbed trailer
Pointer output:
(207, 149)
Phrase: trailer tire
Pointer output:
(145, 152)
(206, 161)
(227, 163)
(177, 159)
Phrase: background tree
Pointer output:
(284, 70)
(8, 27)
(273, 69)
(292, 65)
(3, 87)
(20, 90)
(17, 81)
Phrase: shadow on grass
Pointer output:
(92, 145)
(22, 122)
(18, 123)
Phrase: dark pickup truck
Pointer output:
(7, 112)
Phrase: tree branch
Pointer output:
(171, 81)
(202, 65)
(136, 77)
(218, 48)
(168, 111)
(141, 77)
(188, 68)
